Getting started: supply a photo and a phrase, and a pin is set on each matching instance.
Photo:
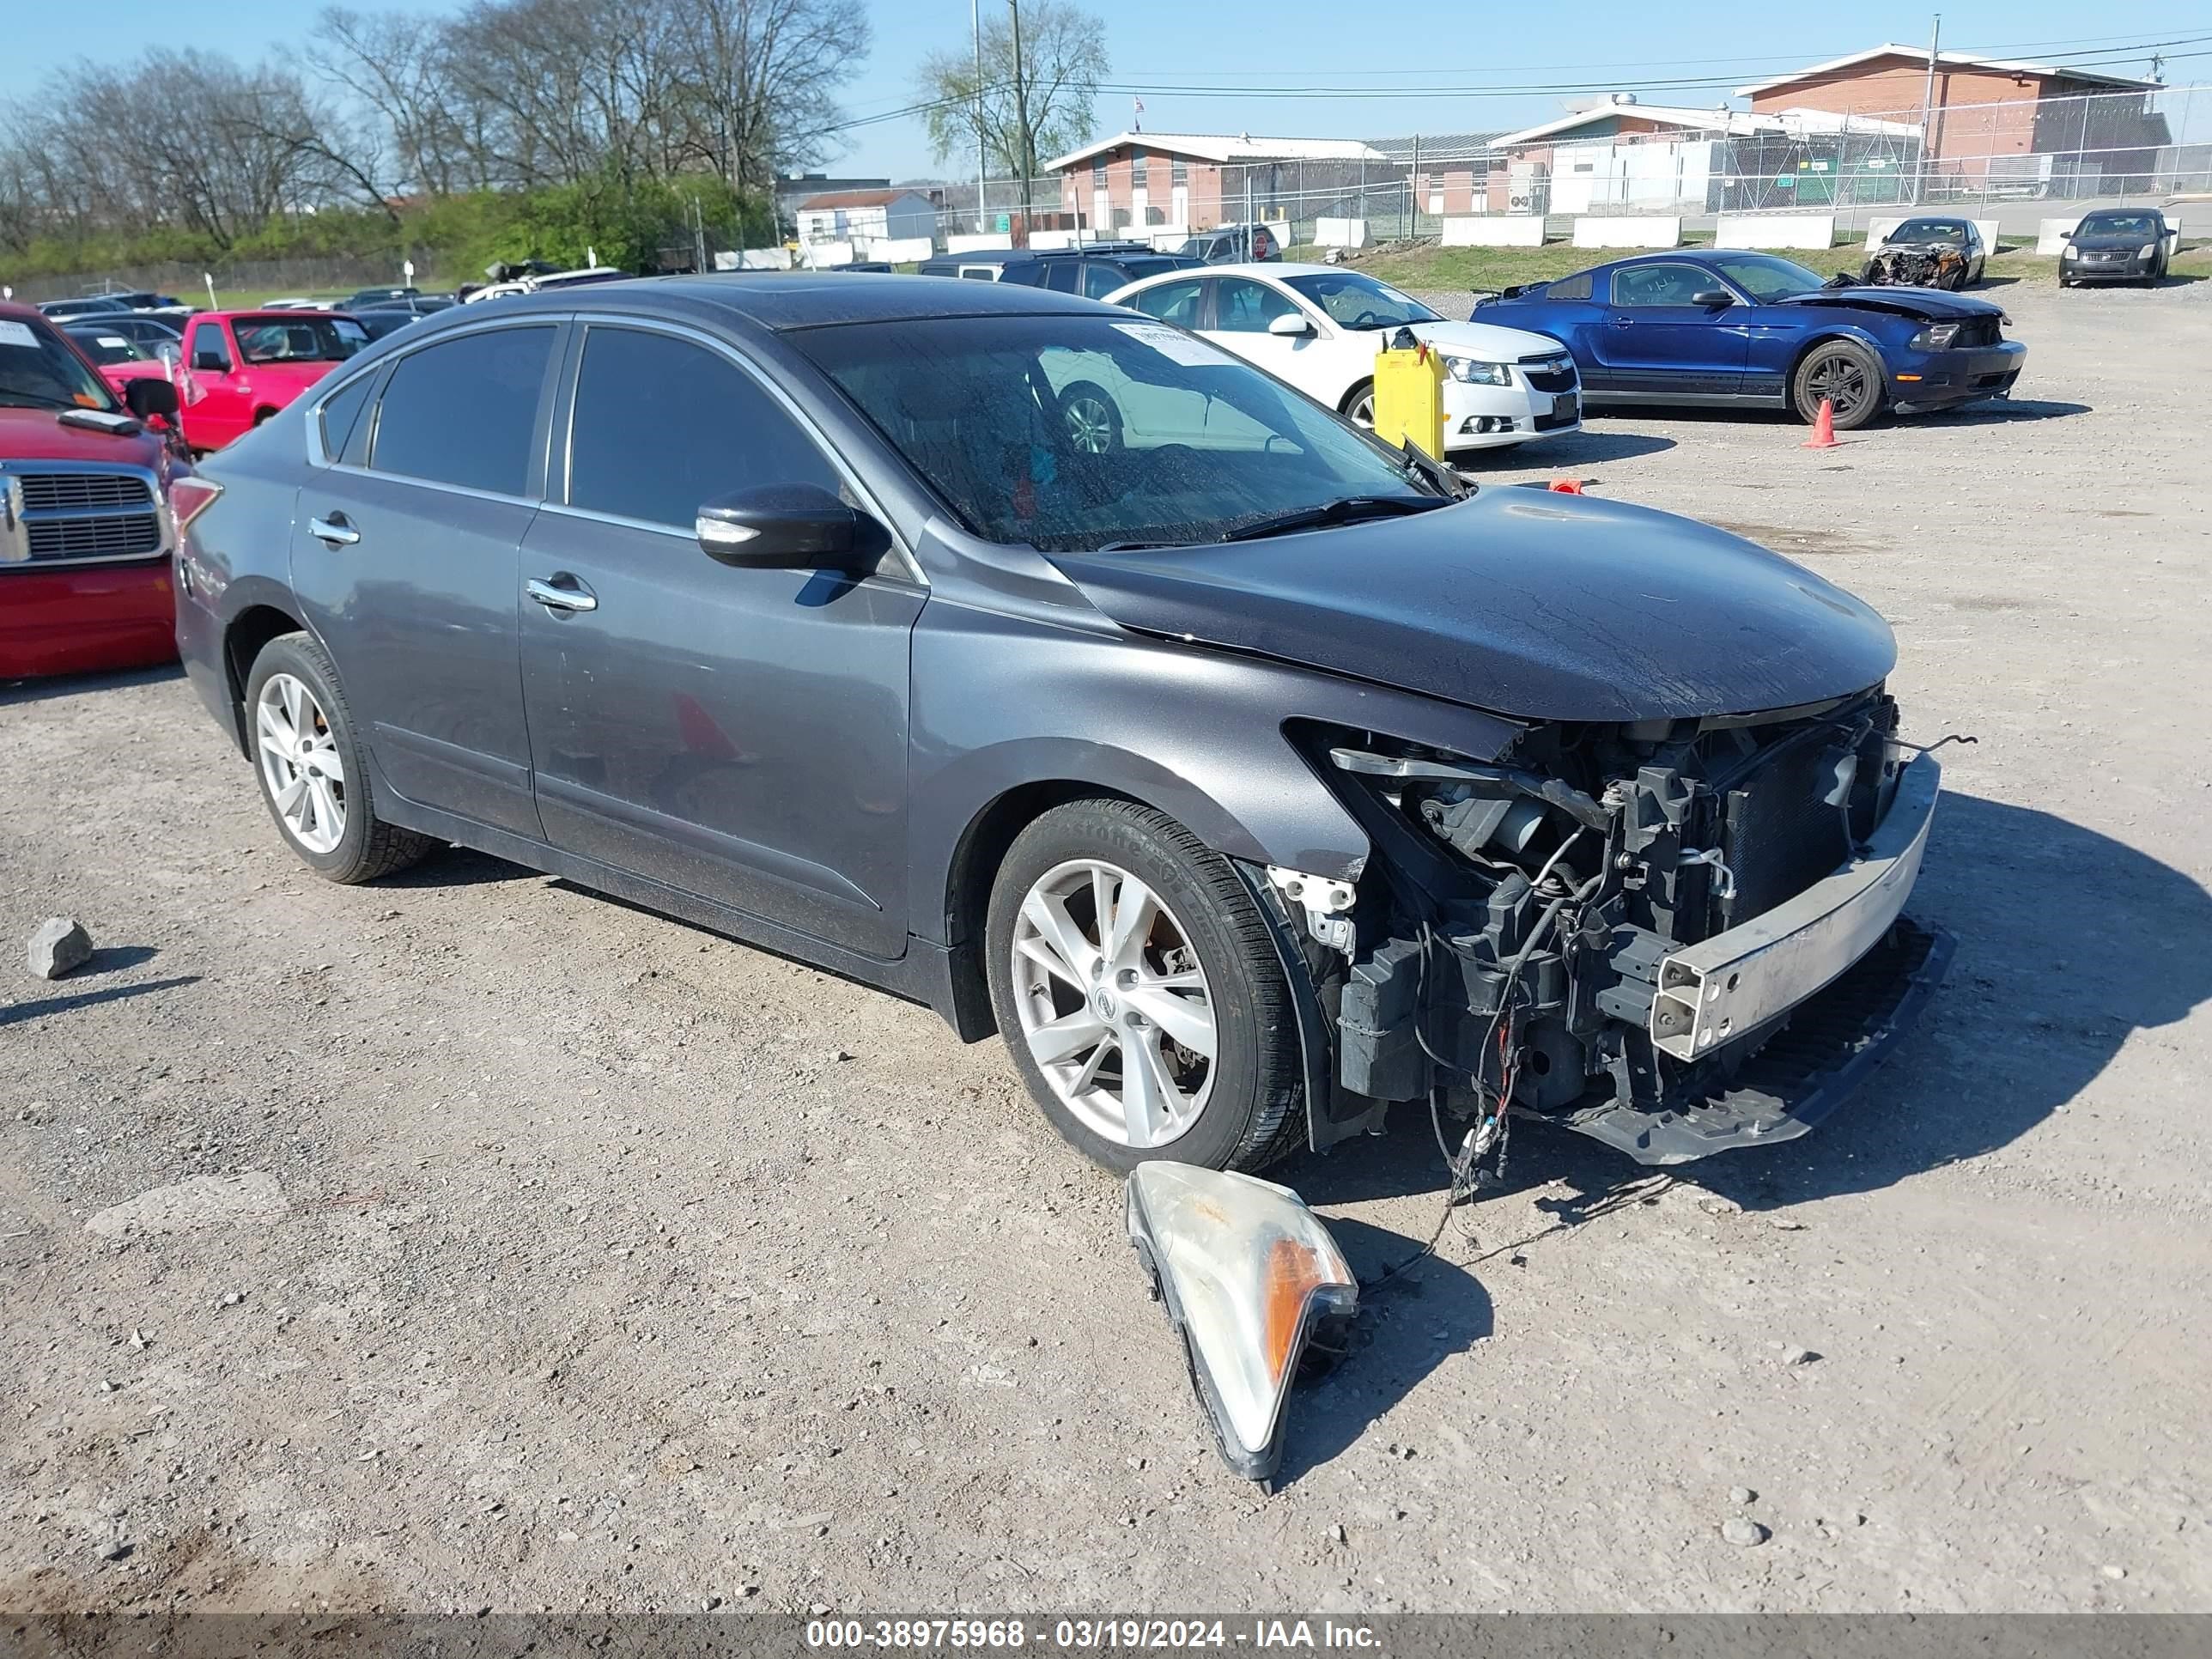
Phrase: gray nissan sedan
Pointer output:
(1041, 662)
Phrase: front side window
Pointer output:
(298, 339)
(462, 411)
(1061, 276)
(662, 425)
(1101, 279)
(1243, 307)
(1660, 285)
(1358, 301)
(1171, 302)
(1089, 432)
(38, 370)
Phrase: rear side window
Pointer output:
(1570, 288)
(1101, 279)
(1061, 276)
(662, 425)
(461, 412)
(341, 409)
(1171, 302)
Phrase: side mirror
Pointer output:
(148, 398)
(1291, 325)
(1713, 297)
(785, 527)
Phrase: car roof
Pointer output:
(790, 300)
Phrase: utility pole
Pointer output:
(1027, 159)
(975, 22)
(1927, 113)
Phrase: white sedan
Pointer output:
(1318, 327)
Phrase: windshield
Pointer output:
(1357, 302)
(1082, 433)
(1767, 278)
(2121, 224)
(296, 339)
(1929, 230)
(103, 347)
(39, 371)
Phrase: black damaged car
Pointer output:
(2116, 245)
(1249, 777)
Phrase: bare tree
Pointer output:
(1040, 69)
(764, 75)
(396, 71)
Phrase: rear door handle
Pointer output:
(333, 531)
(568, 594)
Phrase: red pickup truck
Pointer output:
(90, 497)
(241, 367)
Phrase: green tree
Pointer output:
(1041, 64)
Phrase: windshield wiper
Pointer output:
(1424, 468)
(1343, 510)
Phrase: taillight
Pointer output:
(189, 497)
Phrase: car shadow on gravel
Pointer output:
(2069, 943)
(1430, 1313)
(12, 692)
(2004, 411)
(1582, 448)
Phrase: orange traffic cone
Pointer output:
(1566, 487)
(1824, 428)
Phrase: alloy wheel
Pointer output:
(1113, 1004)
(300, 762)
(1842, 380)
(1362, 412)
(1090, 425)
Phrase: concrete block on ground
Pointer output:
(1628, 230)
(1339, 232)
(1813, 230)
(1494, 230)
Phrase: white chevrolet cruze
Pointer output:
(1318, 327)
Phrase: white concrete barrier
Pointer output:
(974, 242)
(1878, 231)
(1339, 232)
(1494, 230)
(1042, 241)
(1280, 230)
(895, 249)
(820, 256)
(2051, 235)
(753, 259)
(1166, 239)
(1629, 230)
(1775, 230)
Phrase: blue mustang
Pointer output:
(1698, 325)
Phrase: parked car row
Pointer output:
(1247, 775)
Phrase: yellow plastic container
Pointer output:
(1409, 399)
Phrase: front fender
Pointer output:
(1000, 702)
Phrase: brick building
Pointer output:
(1135, 181)
(1990, 119)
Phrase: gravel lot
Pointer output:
(489, 1244)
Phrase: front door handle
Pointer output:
(568, 594)
(333, 531)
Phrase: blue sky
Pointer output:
(1371, 58)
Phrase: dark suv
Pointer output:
(1091, 273)
(1248, 774)
(1232, 245)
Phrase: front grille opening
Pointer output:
(49, 492)
(114, 537)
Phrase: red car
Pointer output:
(241, 367)
(90, 499)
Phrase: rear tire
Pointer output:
(1092, 422)
(1111, 1041)
(313, 776)
(1845, 372)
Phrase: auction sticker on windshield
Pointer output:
(18, 334)
(1176, 347)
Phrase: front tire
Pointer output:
(1092, 422)
(313, 777)
(1844, 373)
(1358, 405)
(1137, 988)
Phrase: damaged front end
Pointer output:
(1677, 936)
(1923, 265)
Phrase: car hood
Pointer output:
(1541, 606)
(28, 436)
(1488, 342)
(1931, 304)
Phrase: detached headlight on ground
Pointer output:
(1479, 373)
(1249, 1276)
(1936, 337)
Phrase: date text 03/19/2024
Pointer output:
(1085, 1635)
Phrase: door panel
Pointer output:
(419, 608)
(739, 734)
(1653, 341)
(213, 410)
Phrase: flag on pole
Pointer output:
(1138, 124)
